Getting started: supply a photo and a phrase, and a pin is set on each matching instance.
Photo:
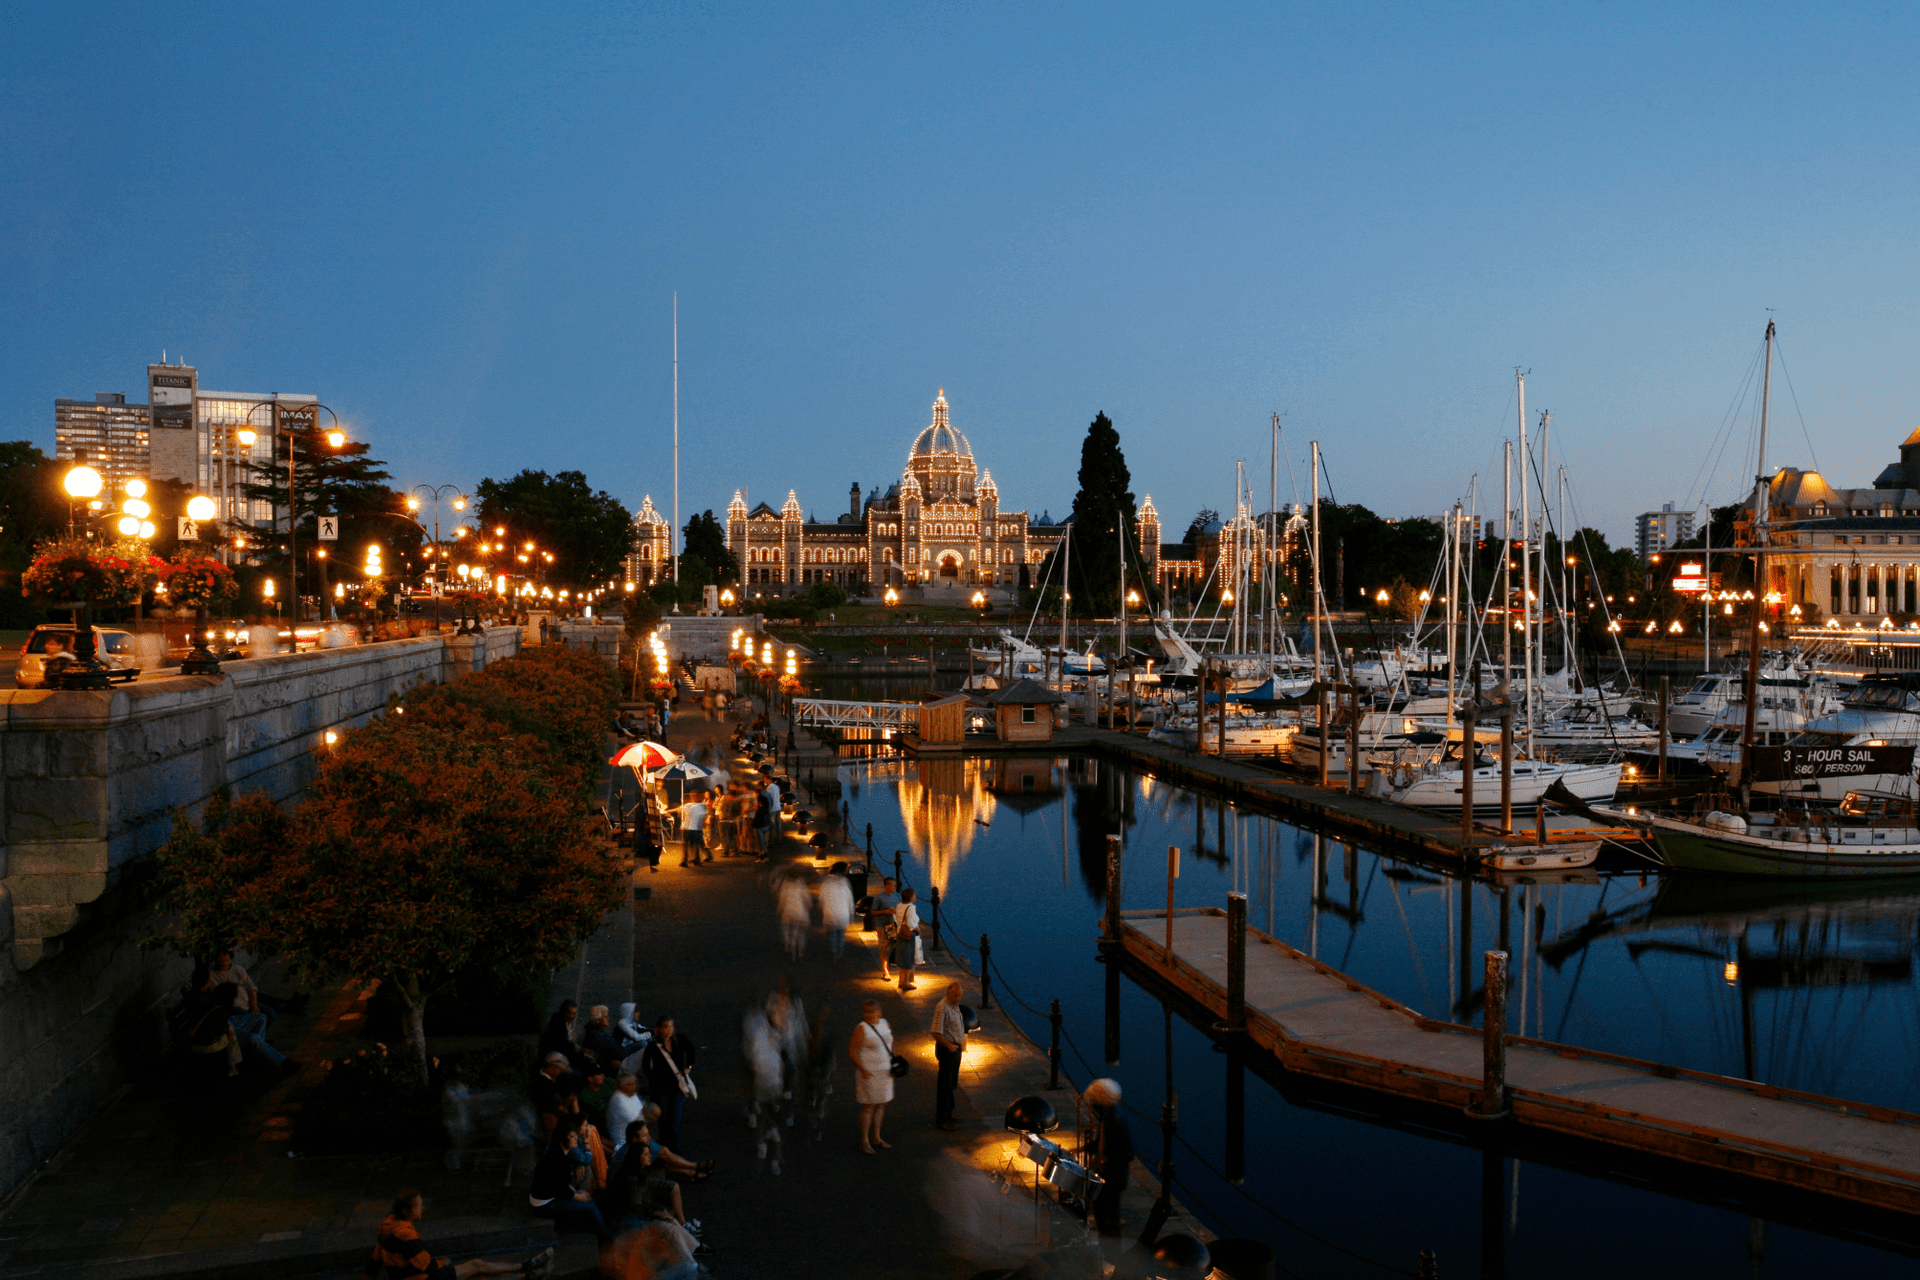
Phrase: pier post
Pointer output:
(1236, 964)
(1326, 747)
(1053, 1047)
(1665, 687)
(933, 897)
(1506, 765)
(1220, 720)
(1110, 944)
(1173, 873)
(1493, 1088)
(986, 973)
(1353, 739)
(1469, 752)
(869, 844)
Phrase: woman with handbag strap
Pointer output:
(871, 1051)
(667, 1063)
(906, 932)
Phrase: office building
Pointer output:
(196, 436)
(106, 433)
(1655, 531)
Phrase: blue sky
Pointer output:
(461, 227)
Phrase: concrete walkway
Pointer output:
(936, 1205)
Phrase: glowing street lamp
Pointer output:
(83, 482)
(892, 597)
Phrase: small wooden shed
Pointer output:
(943, 720)
(1023, 712)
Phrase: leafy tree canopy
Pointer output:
(706, 538)
(1199, 526)
(587, 530)
(1103, 506)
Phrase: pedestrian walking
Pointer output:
(906, 938)
(949, 1046)
(836, 908)
(667, 1066)
(871, 1051)
(760, 1056)
(763, 812)
(1110, 1155)
(772, 793)
(796, 913)
(885, 904)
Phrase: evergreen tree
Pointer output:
(344, 482)
(706, 539)
(1100, 508)
(588, 531)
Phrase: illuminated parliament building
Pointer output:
(938, 533)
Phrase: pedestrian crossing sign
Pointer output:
(329, 528)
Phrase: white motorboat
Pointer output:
(1438, 785)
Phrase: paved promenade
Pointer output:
(169, 1182)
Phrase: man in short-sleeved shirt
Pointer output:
(693, 833)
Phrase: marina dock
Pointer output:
(1316, 1022)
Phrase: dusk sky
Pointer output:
(461, 227)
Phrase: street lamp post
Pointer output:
(334, 438)
(436, 494)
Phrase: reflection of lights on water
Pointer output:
(1732, 972)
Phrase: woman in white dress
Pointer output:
(871, 1052)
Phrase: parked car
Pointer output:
(112, 646)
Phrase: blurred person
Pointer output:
(561, 1035)
(820, 1065)
(796, 913)
(693, 833)
(760, 1057)
(871, 1051)
(676, 1164)
(836, 908)
(659, 1248)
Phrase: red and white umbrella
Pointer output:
(644, 756)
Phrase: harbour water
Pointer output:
(1815, 994)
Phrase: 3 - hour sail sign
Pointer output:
(1692, 576)
(1796, 764)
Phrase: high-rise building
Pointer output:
(106, 433)
(1655, 531)
(196, 436)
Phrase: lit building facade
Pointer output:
(1853, 553)
(1222, 547)
(106, 433)
(650, 559)
(1655, 531)
(938, 533)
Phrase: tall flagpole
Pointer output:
(674, 543)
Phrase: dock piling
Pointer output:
(1236, 964)
(1506, 765)
(1173, 873)
(1493, 1089)
(1110, 940)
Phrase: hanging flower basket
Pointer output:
(68, 574)
(197, 582)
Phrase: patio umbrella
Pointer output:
(644, 755)
(683, 770)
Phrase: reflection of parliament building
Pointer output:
(939, 530)
(945, 800)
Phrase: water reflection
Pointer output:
(1809, 988)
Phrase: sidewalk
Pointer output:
(935, 1205)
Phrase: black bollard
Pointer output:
(1053, 1048)
(933, 896)
(869, 844)
(1429, 1266)
(898, 878)
(986, 975)
(846, 821)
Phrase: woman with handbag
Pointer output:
(906, 934)
(667, 1065)
(871, 1051)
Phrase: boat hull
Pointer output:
(1710, 853)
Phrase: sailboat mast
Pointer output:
(1540, 579)
(1526, 561)
(1271, 533)
(1760, 503)
(1318, 603)
(675, 532)
(1506, 563)
(1121, 534)
(1453, 608)
(1569, 618)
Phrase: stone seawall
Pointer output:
(89, 783)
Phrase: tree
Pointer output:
(433, 842)
(1100, 509)
(33, 507)
(342, 482)
(1198, 528)
(587, 530)
(706, 539)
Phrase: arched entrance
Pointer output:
(949, 565)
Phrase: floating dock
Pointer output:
(1317, 1022)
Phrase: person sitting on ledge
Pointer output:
(400, 1254)
(554, 1193)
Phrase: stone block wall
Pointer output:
(89, 783)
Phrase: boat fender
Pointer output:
(1719, 820)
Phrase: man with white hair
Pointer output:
(1110, 1154)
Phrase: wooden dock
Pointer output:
(1317, 1022)
(1377, 823)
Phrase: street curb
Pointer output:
(308, 1255)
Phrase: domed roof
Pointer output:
(940, 437)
